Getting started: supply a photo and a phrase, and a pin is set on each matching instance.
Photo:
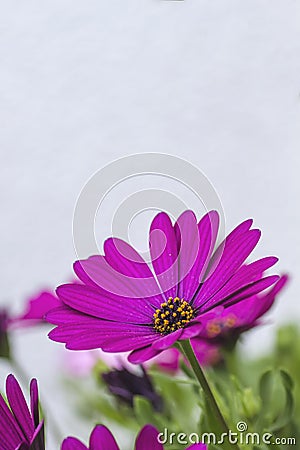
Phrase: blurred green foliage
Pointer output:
(263, 392)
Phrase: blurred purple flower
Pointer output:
(121, 306)
(126, 385)
(36, 308)
(35, 311)
(20, 428)
(225, 325)
(102, 439)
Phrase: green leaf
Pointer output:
(265, 386)
(277, 400)
(286, 414)
(143, 410)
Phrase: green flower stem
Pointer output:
(189, 353)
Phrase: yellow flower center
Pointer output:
(172, 315)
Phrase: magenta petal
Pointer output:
(89, 301)
(163, 249)
(10, 433)
(104, 327)
(211, 314)
(196, 242)
(125, 343)
(102, 439)
(83, 269)
(188, 242)
(82, 332)
(126, 260)
(67, 335)
(268, 299)
(162, 343)
(97, 273)
(71, 443)
(84, 337)
(251, 289)
(244, 276)
(65, 314)
(233, 236)
(244, 311)
(280, 284)
(235, 253)
(191, 330)
(142, 355)
(19, 406)
(252, 308)
(34, 401)
(85, 341)
(148, 439)
(38, 439)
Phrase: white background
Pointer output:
(84, 83)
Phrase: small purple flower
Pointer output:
(126, 385)
(20, 428)
(102, 439)
(227, 324)
(123, 306)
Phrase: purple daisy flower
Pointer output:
(102, 439)
(20, 428)
(122, 305)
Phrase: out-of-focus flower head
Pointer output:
(126, 385)
(36, 308)
(223, 326)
